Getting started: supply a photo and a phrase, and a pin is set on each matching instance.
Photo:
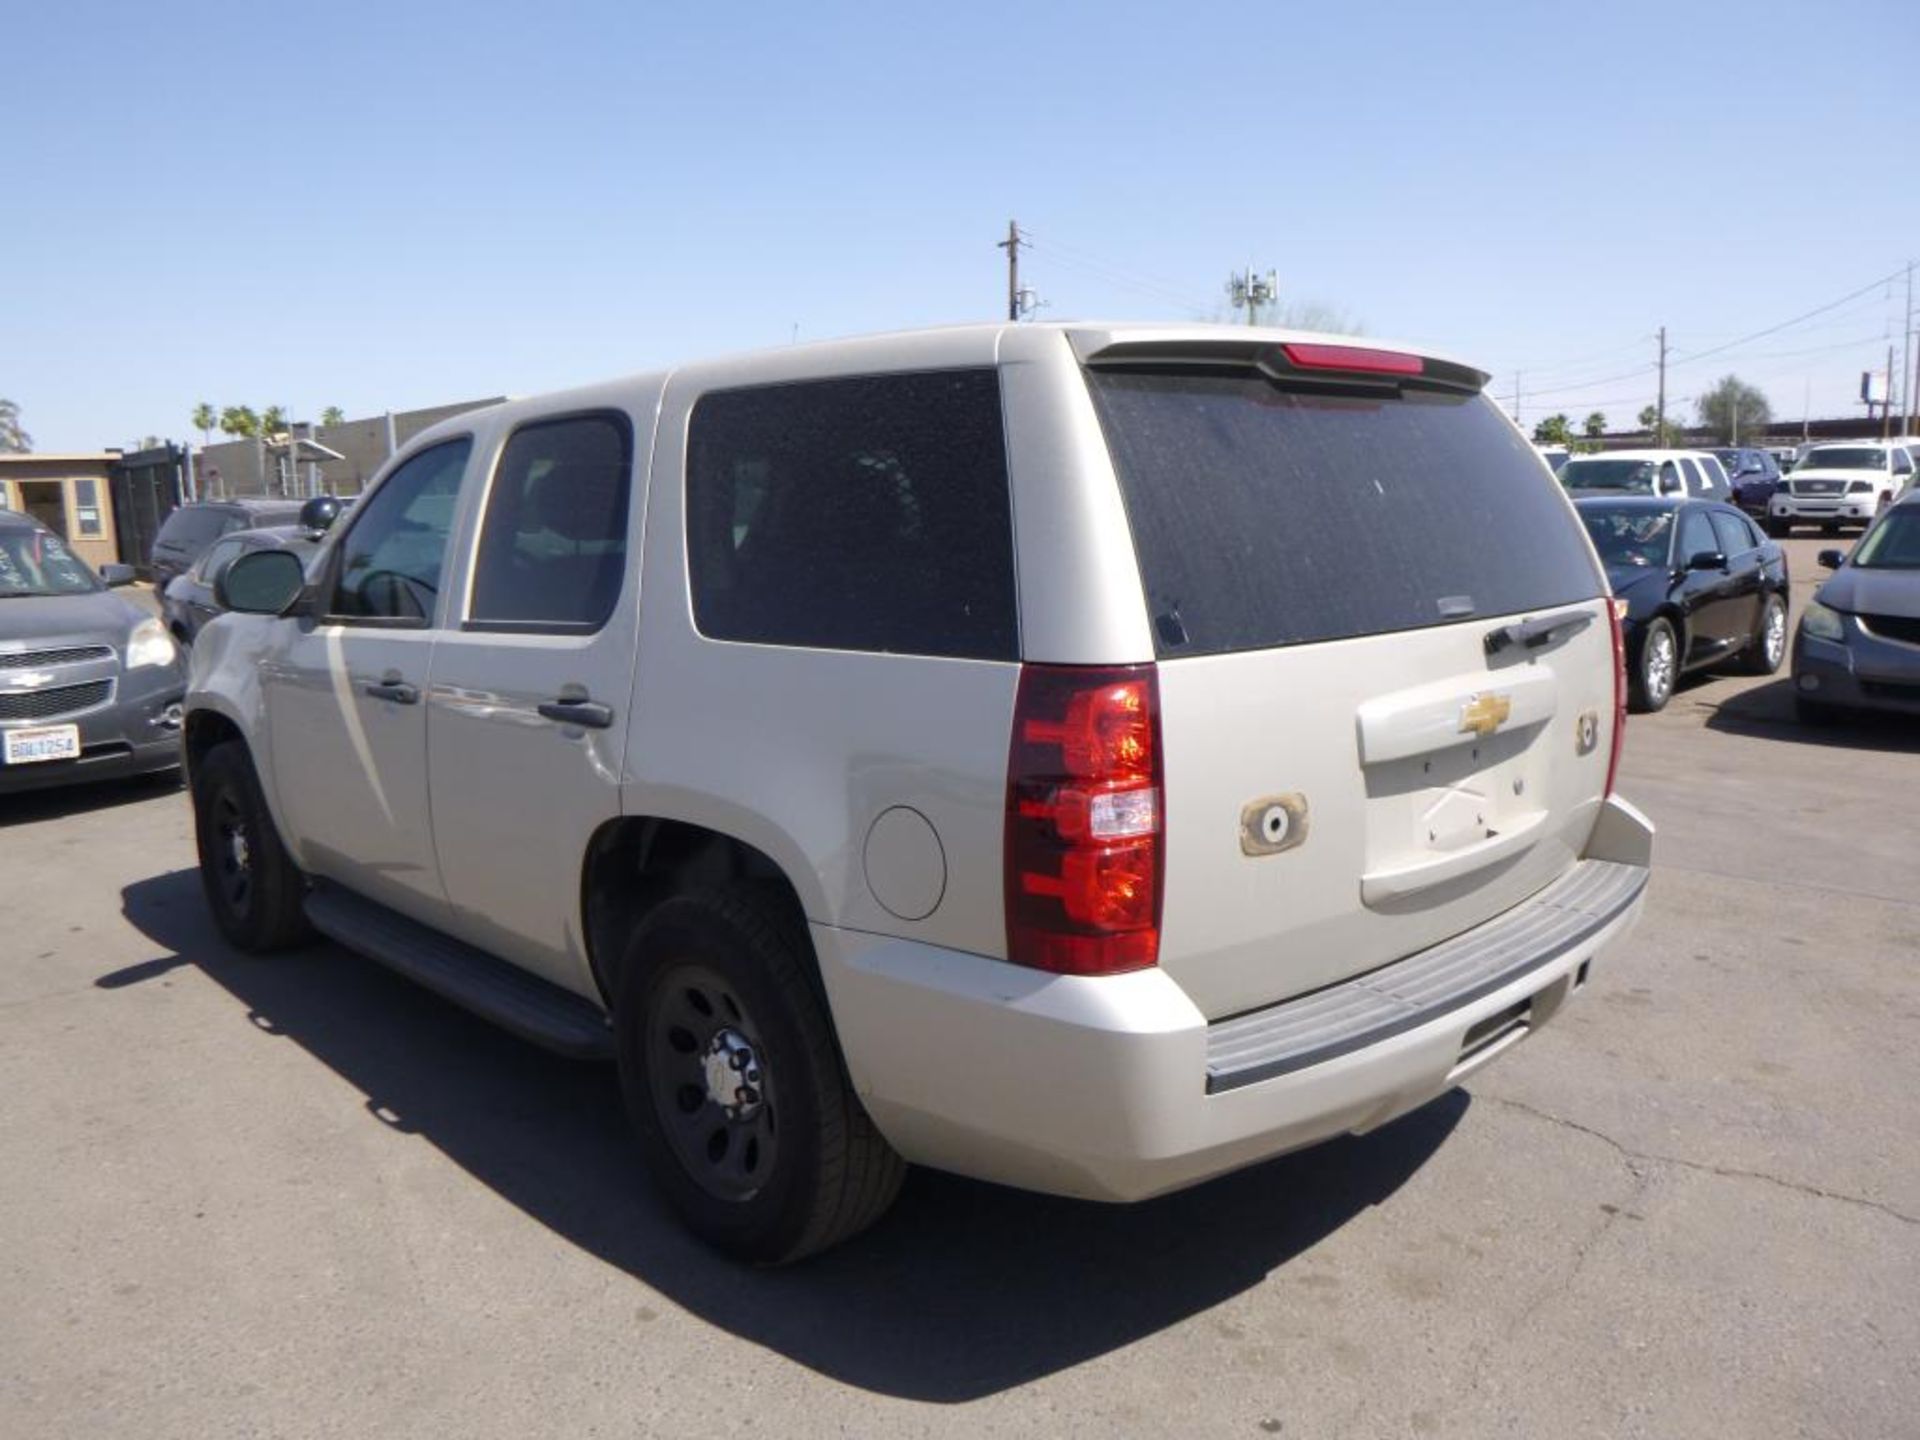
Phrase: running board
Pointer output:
(532, 1008)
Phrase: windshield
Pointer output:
(37, 562)
(1634, 476)
(1844, 457)
(1641, 538)
(1893, 544)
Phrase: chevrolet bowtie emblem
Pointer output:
(1484, 714)
(29, 679)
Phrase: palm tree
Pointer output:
(239, 421)
(13, 440)
(1595, 425)
(333, 415)
(205, 420)
(273, 420)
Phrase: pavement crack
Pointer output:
(1726, 1172)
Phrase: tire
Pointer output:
(253, 887)
(1651, 684)
(1769, 644)
(715, 991)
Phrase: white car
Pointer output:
(1085, 758)
(1689, 474)
(1842, 483)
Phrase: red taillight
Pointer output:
(1354, 357)
(1084, 857)
(1618, 610)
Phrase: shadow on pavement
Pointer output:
(965, 1289)
(1767, 712)
(57, 802)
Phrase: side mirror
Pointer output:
(265, 582)
(1832, 559)
(116, 575)
(1708, 560)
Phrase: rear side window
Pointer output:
(859, 514)
(1696, 536)
(1264, 516)
(553, 547)
(1732, 532)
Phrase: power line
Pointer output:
(1797, 320)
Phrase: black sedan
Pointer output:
(1859, 641)
(90, 685)
(188, 601)
(1755, 475)
(1701, 584)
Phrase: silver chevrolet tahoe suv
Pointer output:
(1086, 758)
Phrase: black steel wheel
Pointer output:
(706, 1060)
(252, 886)
(735, 1085)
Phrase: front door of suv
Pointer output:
(526, 719)
(345, 697)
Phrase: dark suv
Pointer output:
(1755, 475)
(189, 530)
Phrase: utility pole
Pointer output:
(1660, 409)
(1906, 355)
(1012, 245)
(1516, 397)
(1250, 291)
(1886, 405)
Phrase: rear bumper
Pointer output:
(1118, 1088)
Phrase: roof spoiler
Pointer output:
(1316, 360)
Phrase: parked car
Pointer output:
(187, 533)
(1840, 484)
(90, 685)
(1755, 475)
(1701, 586)
(189, 600)
(974, 771)
(1646, 472)
(1554, 455)
(1858, 646)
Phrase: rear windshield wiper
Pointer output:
(1538, 634)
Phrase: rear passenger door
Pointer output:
(526, 716)
(1743, 569)
(1705, 595)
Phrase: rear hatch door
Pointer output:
(1385, 658)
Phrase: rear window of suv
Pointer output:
(1264, 516)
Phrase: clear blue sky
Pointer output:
(398, 204)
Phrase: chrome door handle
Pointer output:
(590, 713)
(398, 691)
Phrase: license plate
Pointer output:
(43, 742)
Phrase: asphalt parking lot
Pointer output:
(299, 1197)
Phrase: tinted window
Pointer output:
(863, 514)
(1731, 532)
(553, 548)
(1695, 484)
(1632, 476)
(1902, 464)
(215, 560)
(1893, 544)
(1267, 516)
(34, 562)
(1669, 478)
(1845, 457)
(1696, 536)
(388, 566)
(191, 528)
